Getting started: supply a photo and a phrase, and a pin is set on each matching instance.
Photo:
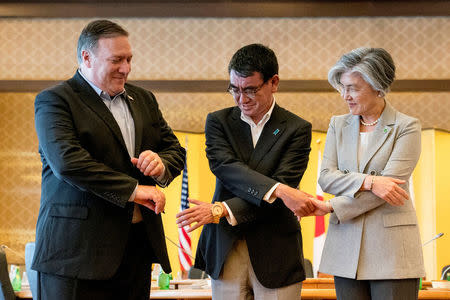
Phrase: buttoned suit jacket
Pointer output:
(367, 237)
(88, 178)
(243, 176)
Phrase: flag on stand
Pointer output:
(319, 230)
(184, 252)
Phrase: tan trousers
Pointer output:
(238, 280)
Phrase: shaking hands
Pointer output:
(300, 203)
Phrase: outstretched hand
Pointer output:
(200, 214)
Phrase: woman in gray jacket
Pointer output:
(373, 247)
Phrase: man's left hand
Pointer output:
(149, 163)
(200, 213)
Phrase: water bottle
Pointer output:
(164, 280)
(17, 281)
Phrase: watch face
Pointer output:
(217, 210)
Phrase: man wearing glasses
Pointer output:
(251, 243)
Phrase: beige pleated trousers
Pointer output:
(238, 280)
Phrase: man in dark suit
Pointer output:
(258, 152)
(99, 227)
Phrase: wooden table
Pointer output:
(307, 294)
(183, 282)
(318, 283)
(198, 294)
(24, 294)
(313, 288)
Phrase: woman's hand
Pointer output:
(388, 189)
(321, 208)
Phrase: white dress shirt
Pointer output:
(121, 113)
(256, 130)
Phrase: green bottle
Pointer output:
(17, 281)
(164, 280)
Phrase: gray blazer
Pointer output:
(367, 237)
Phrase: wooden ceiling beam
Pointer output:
(219, 86)
(222, 9)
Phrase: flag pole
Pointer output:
(184, 238)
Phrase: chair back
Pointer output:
(444, 272)
(6, 289)
(308, 268)
(195, 273)
(32, 274)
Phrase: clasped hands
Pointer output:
(300, 203)
(150, 164)
(303, 204)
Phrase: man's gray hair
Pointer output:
(94, 31)
(375, 65)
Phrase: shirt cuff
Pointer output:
(162, 179)
(268, 197)
(230, 218)
(131, 199)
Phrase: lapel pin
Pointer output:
(131, 98)
(276, 131)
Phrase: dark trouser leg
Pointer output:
(396, 289)
(134, 274)
(131, 281)
(351, 289)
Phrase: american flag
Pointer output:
(184, 252)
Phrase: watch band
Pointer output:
(216, 211)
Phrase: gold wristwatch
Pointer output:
(217, 211)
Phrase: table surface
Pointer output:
(306, 294)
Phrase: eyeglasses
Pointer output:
(249, 92)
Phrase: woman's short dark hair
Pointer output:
(254, 58)
(375, 65)
(94, 31)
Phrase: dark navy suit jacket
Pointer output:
(87, 179)
(243, 176)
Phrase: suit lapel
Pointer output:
(350, 136)
(95, 103)
(380, 135)
(242, 133)
(272, 131)
(137, 118)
